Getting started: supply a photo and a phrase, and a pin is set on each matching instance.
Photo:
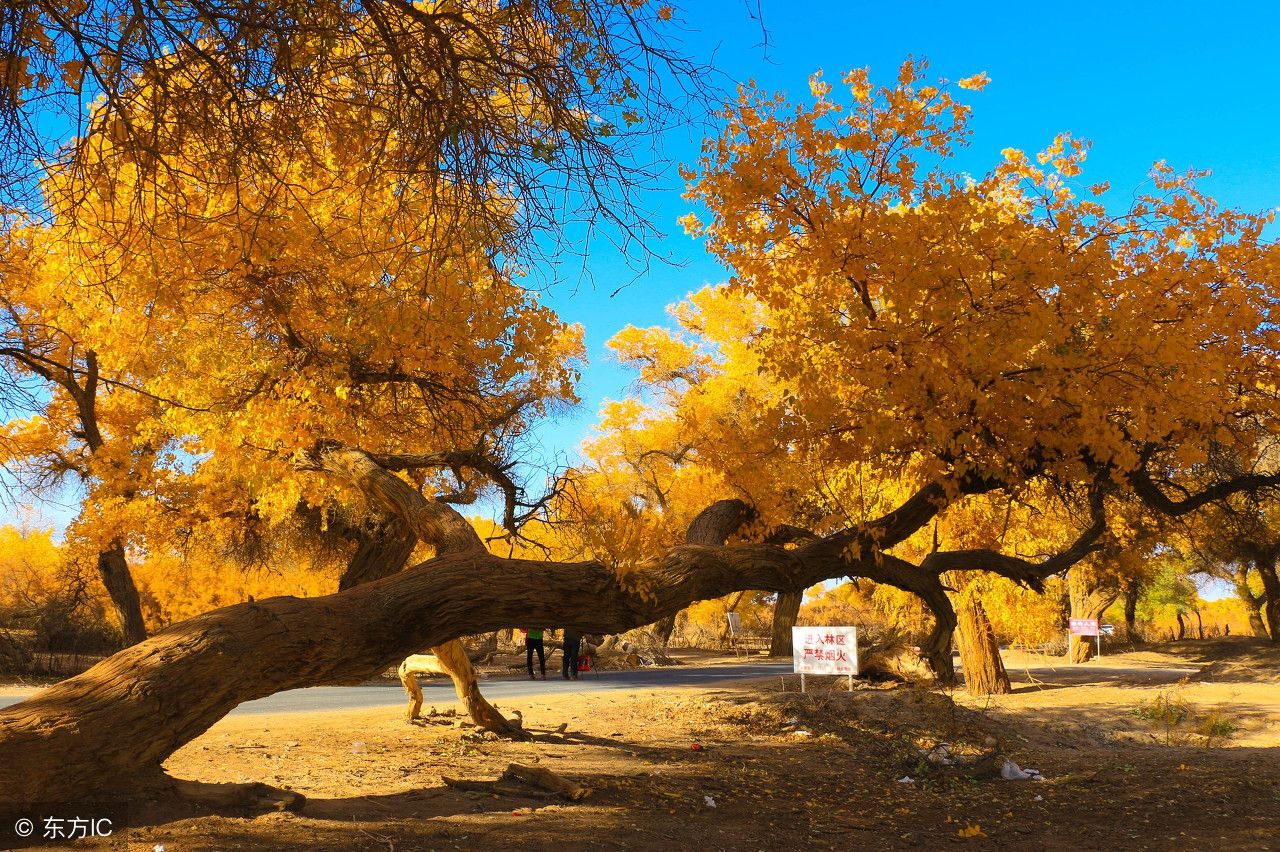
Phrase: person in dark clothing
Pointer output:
(572, 647)
(533, 642)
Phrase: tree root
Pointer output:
(451, 659)
(253, 797)
(512, 782)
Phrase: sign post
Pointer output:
(824, 651)
(735, 631)
(1086, 627)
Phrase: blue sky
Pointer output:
(1192, 84)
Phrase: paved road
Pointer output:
(440, 691)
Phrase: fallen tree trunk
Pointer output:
(109, 729)
(548, 784)
(105, 733)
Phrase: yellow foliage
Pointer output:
(31, 567)
(175, 587)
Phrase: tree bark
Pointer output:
(936, 649)
(984, 671)
(1182, 628)
(105, 733)
(1088, 600)
(1266, 566)
(665, 628)
(786, 611)
(110, 728)
(113, 568)
(383, 548)
(1253, 603)
(1132, 590)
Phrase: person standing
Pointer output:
(533, 642)
(572, 647)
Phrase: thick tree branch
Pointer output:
(1151, 494)
(431, 521)
(1024, 571)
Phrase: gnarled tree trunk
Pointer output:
(786, 611)
(984, 671)
(1132, 590)
(382, 549)
(936, 649)
(1089, 599)
(113, 568)
(1252, 603)
(106, 732)
(1271, 591)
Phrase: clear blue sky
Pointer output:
(1193, 84)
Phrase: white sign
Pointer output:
(735, 624)
(1084, 626)
(825, 650)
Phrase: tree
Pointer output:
(84, 734)
(75, 420)
(348, 310)
(1171, 593)
(536, 99)
(270, 162)
(1237, 538)
(920, 340)
(895, 324)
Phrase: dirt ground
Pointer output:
(1177, 748)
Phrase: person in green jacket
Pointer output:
(533, 642)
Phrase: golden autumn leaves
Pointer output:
(912, 309)
(890, 320)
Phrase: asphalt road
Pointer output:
(440, 690)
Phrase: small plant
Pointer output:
(1217, 725)
(1164, 708)
(1167, 710)
(1170, 711)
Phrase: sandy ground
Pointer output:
(756, 767)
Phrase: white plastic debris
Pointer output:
(1039, 799)
(159, 847)
(357, 747)
(1010, 771)
(710, 802)
(802, 733)
(906, 779)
